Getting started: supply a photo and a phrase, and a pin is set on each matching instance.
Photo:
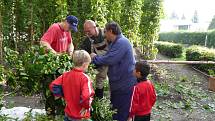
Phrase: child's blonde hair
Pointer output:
(80, 57)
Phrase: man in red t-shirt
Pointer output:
(58, 38)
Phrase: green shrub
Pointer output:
(2, 73)
(191, 38)
(211, 39)
(26, 71)
(102, 110)
(29, 69)
(197, 53)
(169, 49)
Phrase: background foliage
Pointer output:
(191, 38)
(169, 49)
(212, 24)
(197, 53)
(25, 21)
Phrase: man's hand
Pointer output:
(71, 49)
(71, 53)
(129, 119)
(92, 55)
(47, 46)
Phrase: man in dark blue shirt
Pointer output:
(120, 60)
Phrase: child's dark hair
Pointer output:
(143, 67)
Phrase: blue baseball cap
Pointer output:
(73, 21)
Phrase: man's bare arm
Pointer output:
(71, 49)
(48, 46)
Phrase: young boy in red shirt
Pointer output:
(144, 96)
(76, 88)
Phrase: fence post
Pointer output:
(206, 39)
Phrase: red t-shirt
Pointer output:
(77, 90)
(58, 39)
(143, 99)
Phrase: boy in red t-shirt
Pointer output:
(76, 88)
(144, 96)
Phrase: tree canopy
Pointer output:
(25, 21)
(212, 24)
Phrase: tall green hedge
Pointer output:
(197, 53)
(191, 38)
(211, 39)
(25, 21)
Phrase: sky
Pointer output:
(205, 8)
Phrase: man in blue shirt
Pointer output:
(121, 62)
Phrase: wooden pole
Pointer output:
(178, 62)
(31, 25)
(1, 37)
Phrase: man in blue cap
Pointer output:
(58, 38)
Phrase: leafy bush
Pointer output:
(197, 53)
(2, 73)
(102, 110)
(27, 71)
(40, 117)
(191, 38)
(169, 49)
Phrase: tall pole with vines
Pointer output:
(114, 8)
(130, 19)
(1, 34)
(98, 12)
(149, 26)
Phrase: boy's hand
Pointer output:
(56, 97)
(129, 119)
(83, 112)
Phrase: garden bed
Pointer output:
(183, 94)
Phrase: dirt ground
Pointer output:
(187, 97)
(34, 102)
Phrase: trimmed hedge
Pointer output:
(169, 49)
(197, 53)
(191, 38)
(211, 39)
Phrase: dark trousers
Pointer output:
(53, 107)
(142, 118)
(121, 102)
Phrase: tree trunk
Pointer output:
(31, 25)
(1, 40)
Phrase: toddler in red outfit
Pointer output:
(144, 96)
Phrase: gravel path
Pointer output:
(187, 98)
